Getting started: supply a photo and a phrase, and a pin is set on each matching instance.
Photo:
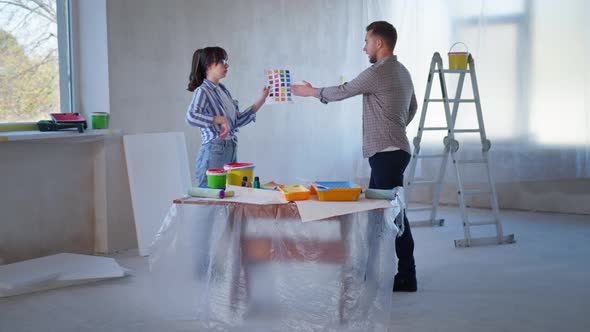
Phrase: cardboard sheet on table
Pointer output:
(313, 209)
(250, 196)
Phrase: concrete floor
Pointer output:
(541, 283)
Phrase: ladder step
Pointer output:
(471, 161)
(485, 241)
(435, 128)
(429, 156)
(477, 192)
(452, 100)
(452, 71)
(424, 208)
(427, 223)
(467, 130)
(422, 182)
(482, 222)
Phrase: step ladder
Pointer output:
(451, 146)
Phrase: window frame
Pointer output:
(66, 68)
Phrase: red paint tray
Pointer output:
(67, 117)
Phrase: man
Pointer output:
(389, 104)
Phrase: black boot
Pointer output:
(405, 283)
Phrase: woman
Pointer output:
(213, 110)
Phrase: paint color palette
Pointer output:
(279, 84)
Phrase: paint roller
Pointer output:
(210, 193)
(397, 201)
(380, 194)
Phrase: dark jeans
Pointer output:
(387, 172)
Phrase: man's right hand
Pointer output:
(221, 120)
(303, 90)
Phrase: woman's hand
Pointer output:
(221, 120)
(258, 104)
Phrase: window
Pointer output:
(499, 31)
(531, 67)
(34, 59)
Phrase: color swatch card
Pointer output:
(279, 84)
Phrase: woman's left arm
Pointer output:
(258, 104)
(249, 114)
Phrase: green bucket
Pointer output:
(100, 120)
(216, 178)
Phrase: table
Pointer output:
(209, 255)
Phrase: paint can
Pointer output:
(458, 60)
(216, 178)
(100, 120)
(237, 171)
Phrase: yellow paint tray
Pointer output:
(294, 192)
(336, 190)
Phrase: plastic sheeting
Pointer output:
(233, 266)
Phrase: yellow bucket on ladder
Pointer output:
(458, 60)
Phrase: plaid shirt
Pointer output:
(389, 104)
(207, 103)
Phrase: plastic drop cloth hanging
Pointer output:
(395, 215)
(234, 267)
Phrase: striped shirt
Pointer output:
(389, 104)
(210, 100)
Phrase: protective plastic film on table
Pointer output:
(243, 267)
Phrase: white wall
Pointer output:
(150, 48)
(45, 199)
(114, 219)
(91, 57)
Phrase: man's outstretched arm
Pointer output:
(365, 82)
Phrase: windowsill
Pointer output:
(92, 134)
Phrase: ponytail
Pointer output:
(202, 59)
(198, 73)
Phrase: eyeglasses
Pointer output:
(225, 62)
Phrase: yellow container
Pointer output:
(458, 60)
(237, 171)
(295, 192)
(336, 191)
